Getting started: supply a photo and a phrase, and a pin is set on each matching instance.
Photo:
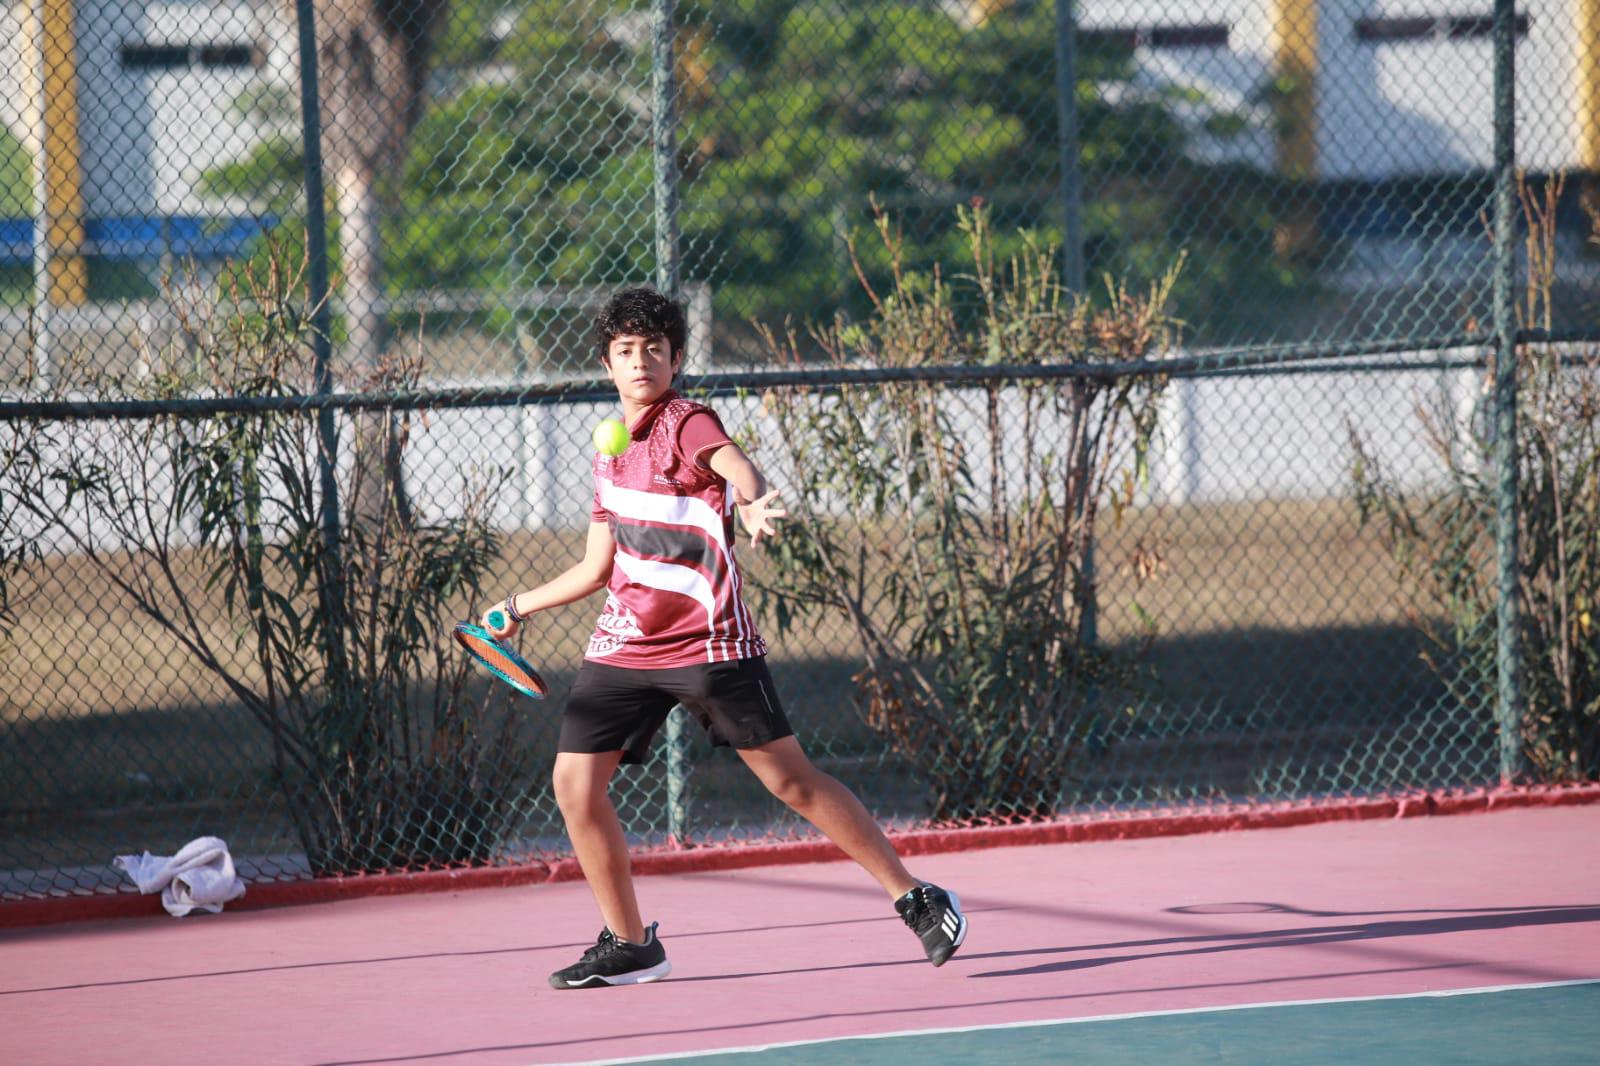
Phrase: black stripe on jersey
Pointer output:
(671, 545)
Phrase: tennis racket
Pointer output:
(501, 661)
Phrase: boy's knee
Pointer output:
(793, 790)
(576, 791)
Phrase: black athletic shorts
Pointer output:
(615, 708)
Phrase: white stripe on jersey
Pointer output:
(689, 511)
(673, 577)
(644, 506)
(669, 577)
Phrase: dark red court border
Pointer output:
(89, 907)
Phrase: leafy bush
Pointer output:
(1444, 540)
(19, 452)
(956, 547)
(340, 643)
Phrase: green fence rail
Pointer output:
(295, 349)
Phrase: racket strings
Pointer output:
(496, 658)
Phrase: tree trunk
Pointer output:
(381, 483)
(361, 257)
(373, 57)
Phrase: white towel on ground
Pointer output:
(200, 876)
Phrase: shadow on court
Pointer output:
(1496, 918)
(814, 954)
(384, 960)
(1308, 936)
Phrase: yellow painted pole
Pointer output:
(1295, 44)
(1294, 31)
(1587, 41)
(62, 158)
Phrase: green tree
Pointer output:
(16, 201)
(797, 117)
(541, 174)
(819, 106)
(16, 177)
(532, 164)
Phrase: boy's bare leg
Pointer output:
(582, 792)
(821, 800)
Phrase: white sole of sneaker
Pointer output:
(961, 931)
(637, 977)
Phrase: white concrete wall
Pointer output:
(1221, 440)
(16, 101)
(1289, 437)
(1231, 439)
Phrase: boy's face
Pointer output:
(641, 368)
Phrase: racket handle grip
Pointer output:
(497, 620)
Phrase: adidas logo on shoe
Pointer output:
(935, 916)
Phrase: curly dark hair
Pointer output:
(644, 312)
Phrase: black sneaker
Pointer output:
(616, 962)
(935, 916)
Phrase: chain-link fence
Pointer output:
(296, 371)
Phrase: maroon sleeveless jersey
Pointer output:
(674, 595)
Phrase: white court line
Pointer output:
(709, 1052)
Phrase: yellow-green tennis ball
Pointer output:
(611, 437)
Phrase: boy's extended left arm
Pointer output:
(754, 498)
(588, 575)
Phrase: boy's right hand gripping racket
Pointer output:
(499, 659)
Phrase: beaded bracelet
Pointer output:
(511, 609)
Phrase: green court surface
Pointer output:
(1534, 1024)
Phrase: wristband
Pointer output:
(511, 609)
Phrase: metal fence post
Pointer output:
(669, 279)
(1072, 270)
(1067, 122)
(1508, 661)
(664, 146)
(332, 580)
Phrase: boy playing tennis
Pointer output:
(675, 629)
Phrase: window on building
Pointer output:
(228, 55)
(213, 56)
(154, 56)
(1432, 28)
(1183, 35)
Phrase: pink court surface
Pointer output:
(807, 958)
